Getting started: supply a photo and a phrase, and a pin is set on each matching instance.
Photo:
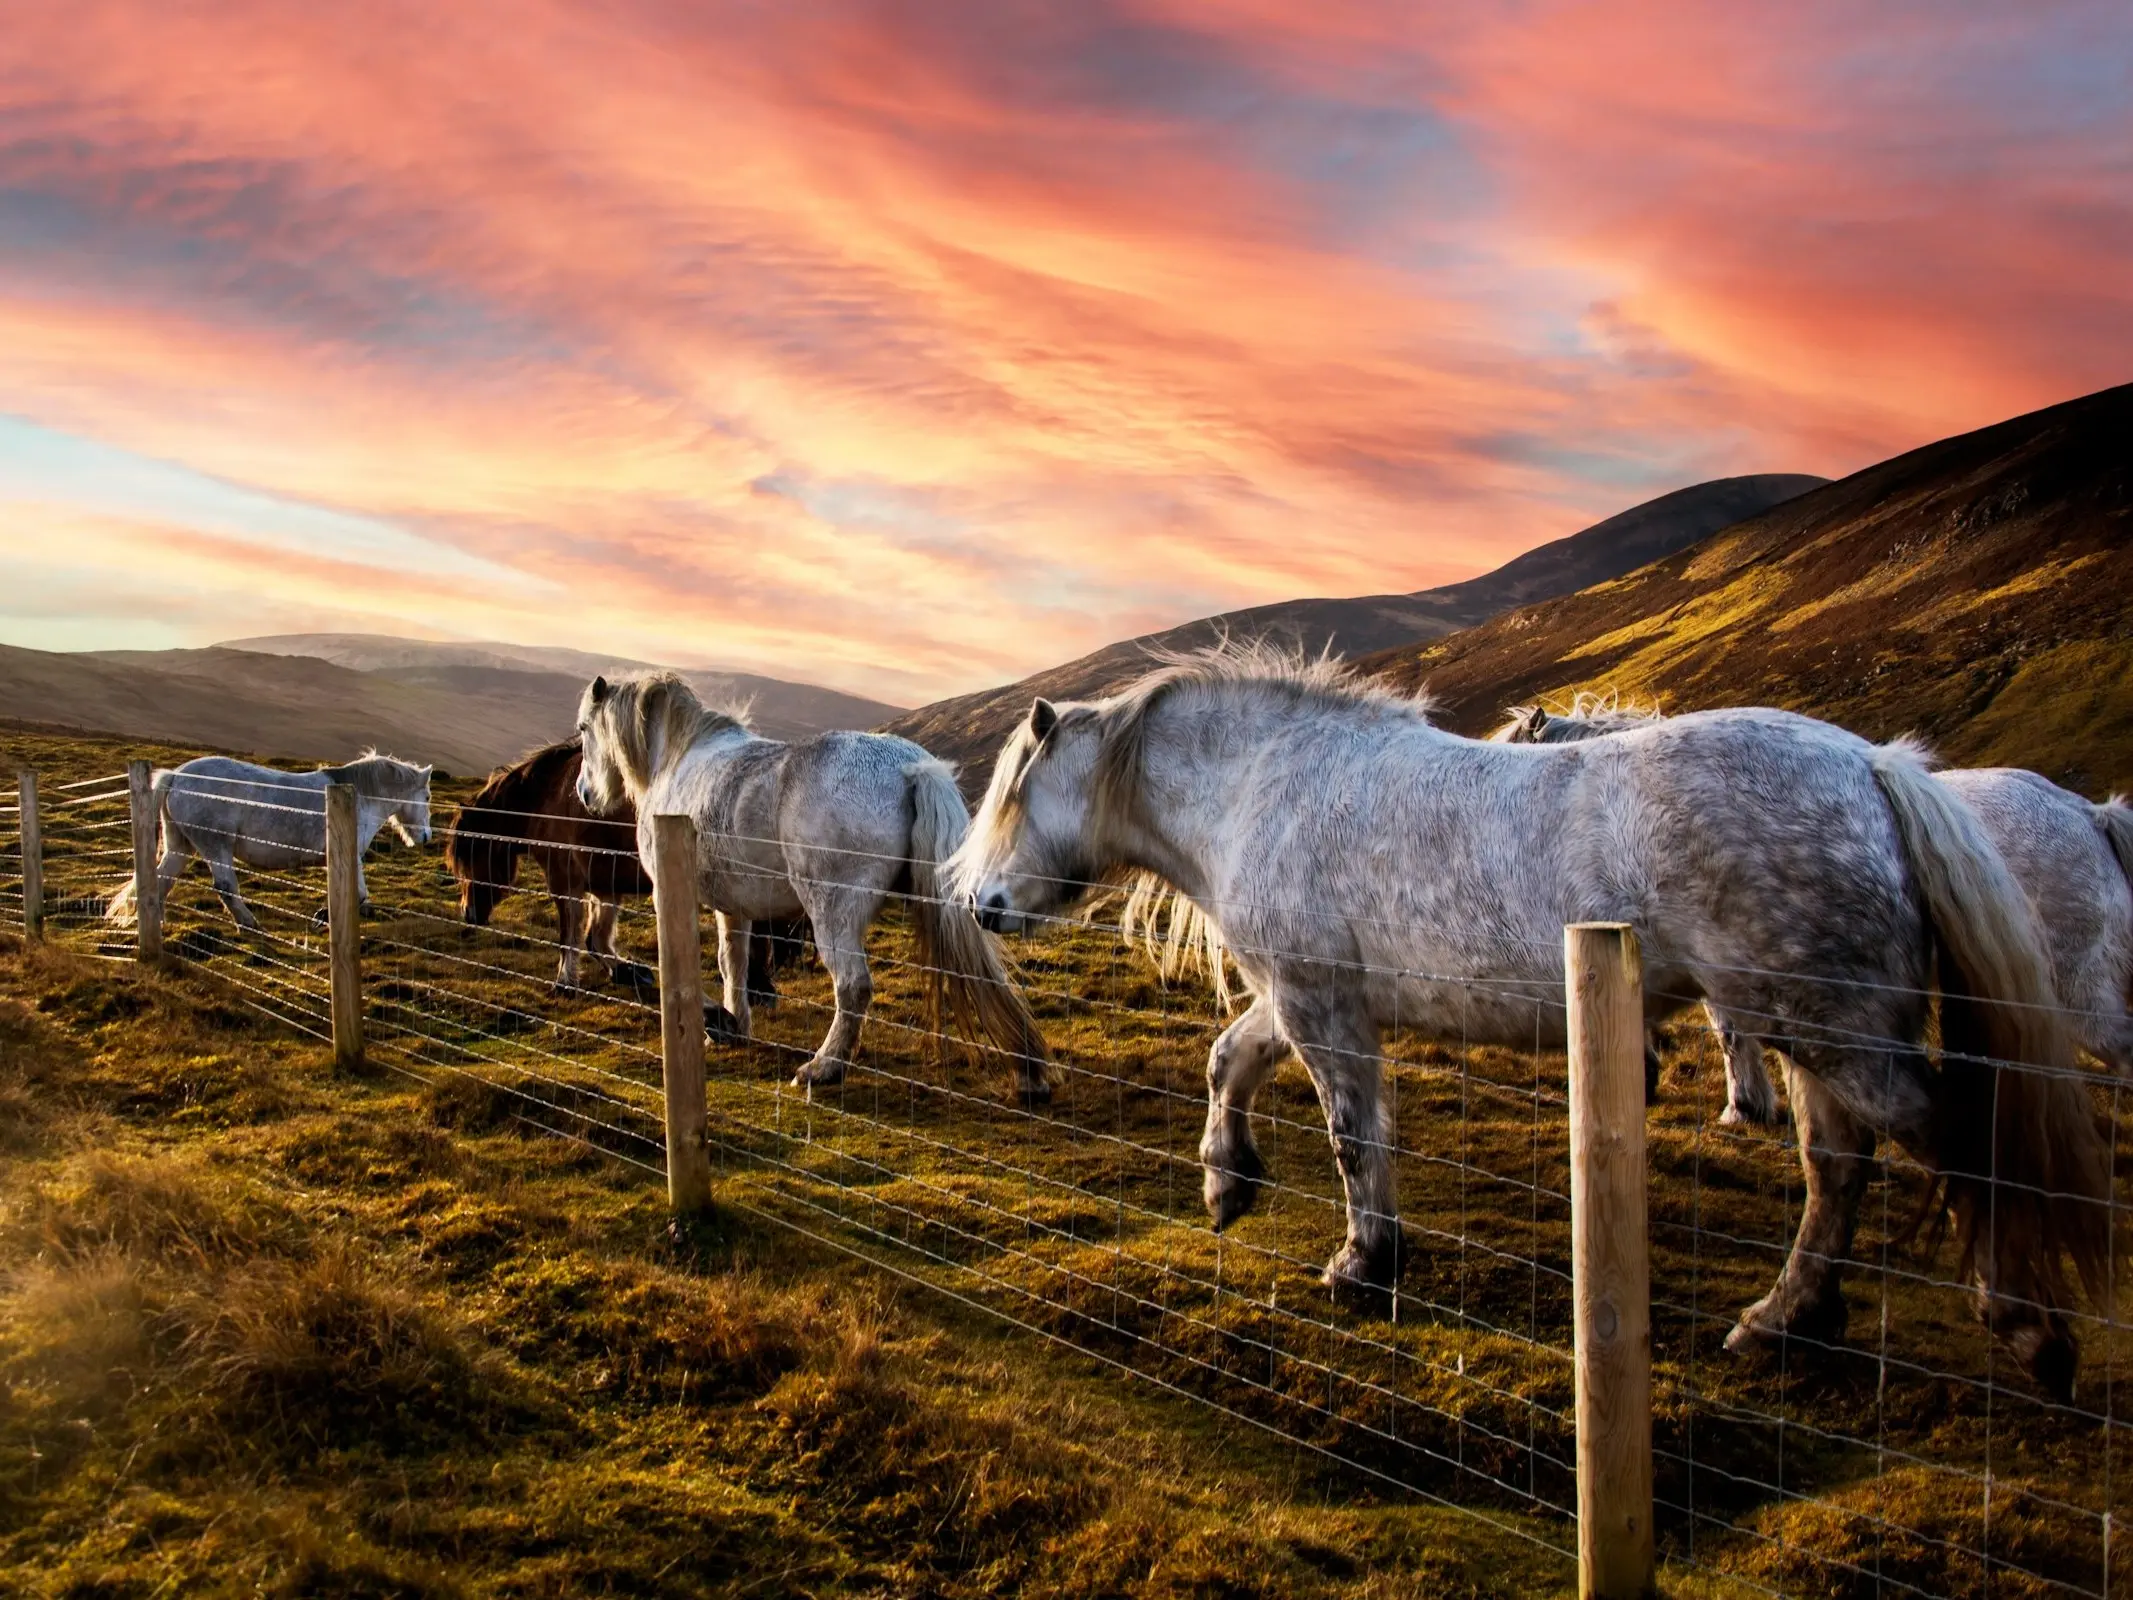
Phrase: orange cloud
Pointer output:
(909, 350)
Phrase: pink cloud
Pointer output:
(1042, 322)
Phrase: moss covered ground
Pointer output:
(269, 1328)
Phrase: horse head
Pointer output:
(1028, 853)
(631, 729)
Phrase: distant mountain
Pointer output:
(467, 715)
(970, 728)
(1978, 591)
(279, 705)
(782, 710)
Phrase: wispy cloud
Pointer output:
(912, 347)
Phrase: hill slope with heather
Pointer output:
(782, 709)
(1975, 591)
(465, 708)
(969, 728)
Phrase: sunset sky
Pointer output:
(909, 347)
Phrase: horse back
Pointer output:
(536, 800)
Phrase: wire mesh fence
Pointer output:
(1899, 1449)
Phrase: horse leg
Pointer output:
(840, 939)
(1339, 1045)
(221, 869)
(762, 985)
(1232, 1170)
(1837, 1151)
(569, 923)
(600, 940)
(732, 1021)
(177, 856)
(1750, 1095)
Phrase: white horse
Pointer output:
(2073, 858)
(828, 827)
(227, 811)
(1367, 869)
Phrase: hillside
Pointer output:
(1974, 591)
(277, 705)
(969, 728)
(465, 716)
(783, 710)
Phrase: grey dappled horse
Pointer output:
(2072, 857)
(227, 811)
(827, 827)
(1366, 868)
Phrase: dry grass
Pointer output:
(642, 1408)
(265, 1330)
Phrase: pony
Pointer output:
(1366, 869)
(827, 827)
(2072, 856)
(227, 811)
(589, 863)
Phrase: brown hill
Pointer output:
(466, 718)
(970, 728)
(781, 709)
(1974, 591)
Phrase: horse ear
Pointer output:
(1536, 720)
(599, 690)
(1043, 717)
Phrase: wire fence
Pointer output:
(1903, 1451)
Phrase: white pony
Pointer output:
(2073, 858)
(1367, 869)
(227, 811)
(828, 827)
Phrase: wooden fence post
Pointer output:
(32, 835)
(147, 888)
(344, 925)
(681, 1009)
(1610, 1263)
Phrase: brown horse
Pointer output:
(532, 808)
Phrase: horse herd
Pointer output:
(1362, 869)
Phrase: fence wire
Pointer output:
(1907, 1454)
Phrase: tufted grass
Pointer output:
(270, 1328)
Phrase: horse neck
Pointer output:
(500, 831)
(1199, 751)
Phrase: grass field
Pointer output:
(272, 1327)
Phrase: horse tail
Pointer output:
(962, 962)
(2040, 1180)
(2115, 818)
(119, 909)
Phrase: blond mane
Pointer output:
(653, 714)
(1281, 669)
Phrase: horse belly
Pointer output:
(1509, 1012)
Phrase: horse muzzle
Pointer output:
(996, 914)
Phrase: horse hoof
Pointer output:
(818, 1075)
(1231, 1189)
(1365, 1279)
(1763, 1327)
(2052, 1358)
(634, 975)
(2048, 1350)
(722, 1026)
(1037, 1092)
